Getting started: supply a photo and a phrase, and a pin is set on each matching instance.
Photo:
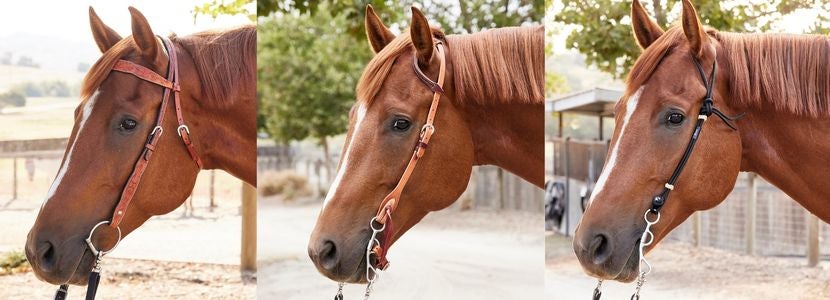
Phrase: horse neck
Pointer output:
(510, 136)
(225, 137)
(791, 152)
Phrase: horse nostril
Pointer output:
(600, 249)
(46, 255)
(327, 255)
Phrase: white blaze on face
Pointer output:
(630, 106)
(65, 167)
(344, 164)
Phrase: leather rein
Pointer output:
(382, 221)
(170, 85)
(707, 109)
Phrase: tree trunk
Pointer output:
(326, 158)
(659, 13)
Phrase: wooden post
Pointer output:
(561, 125)
(500, 176)
(813, 233)
(248, 252)
(751, 212)
(600, 135)
(14, 179)
(567, 170)
(696, 228)
(212, 189)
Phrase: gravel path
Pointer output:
(193, 256)
(682, 271)
(143, 279)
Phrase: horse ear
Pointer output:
(645, 29)
(378, 34)
(693, 29)
(421, 37)
(104, 36)
(143, 35)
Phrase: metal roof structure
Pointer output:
(595, 102)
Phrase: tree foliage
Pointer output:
(602, 28)
(215, 8)
(307, 68)
(463, 16)
(12, 98)
(311, 53)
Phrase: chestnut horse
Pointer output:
(491, 112)
(782, 84)
(112, 123)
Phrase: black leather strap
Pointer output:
(707, 109)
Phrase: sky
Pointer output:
(36, 28)
(70, 18)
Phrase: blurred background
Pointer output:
(45, 50)
(754, 245)
(488, 245)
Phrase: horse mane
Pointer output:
(224, 60)
(502, 65)
(789, 71)
(101, 69)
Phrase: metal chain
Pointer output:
(97, 266)
(339, 295)
(645, 240)
(598, 290)
(368, 291)
(372, 272)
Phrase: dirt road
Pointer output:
(144, 279)
(192, 256)
(449, 255)
(682, 271)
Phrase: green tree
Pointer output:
(307, 68)
(311, 54)
(215, 8)
(472, 16)
(602, 28)
(12, 98)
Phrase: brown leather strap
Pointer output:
(171, 83)
(391, 201)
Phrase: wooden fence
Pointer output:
(756, 218)
(22, 152)
(490, 187)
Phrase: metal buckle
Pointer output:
(426, 127)
(186, 130)
(158, 130)
(91, 246)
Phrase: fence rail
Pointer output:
(489, 187)
(756, 218)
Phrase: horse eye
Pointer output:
(400, 125)
(675, 118)
(128, 124)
